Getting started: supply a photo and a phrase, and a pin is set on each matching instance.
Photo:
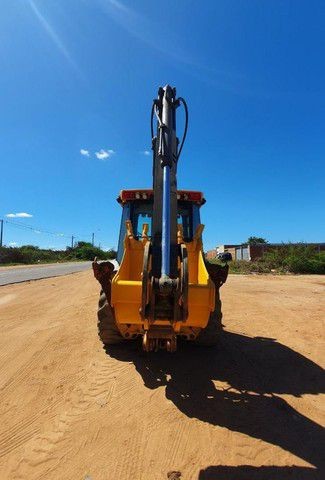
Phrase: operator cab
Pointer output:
(138, 207)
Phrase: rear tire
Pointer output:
(107, 329)
(210, 335)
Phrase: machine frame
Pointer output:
(163, 288)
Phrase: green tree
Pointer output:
(111, 253)
(255, 240)
(87, 251)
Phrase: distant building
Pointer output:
(251, 252)
(228, 248)
(210, 254)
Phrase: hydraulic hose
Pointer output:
(181, 99)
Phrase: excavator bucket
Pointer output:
(127, 288)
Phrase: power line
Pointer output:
(39, 230)
(35, 230)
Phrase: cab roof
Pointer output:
(147, 194)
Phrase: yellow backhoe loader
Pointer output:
(161, 287)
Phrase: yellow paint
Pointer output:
(127, 286)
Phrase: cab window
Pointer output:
(141, 214)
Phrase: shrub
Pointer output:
(300, 258)
(29, 254)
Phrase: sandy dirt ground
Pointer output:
(249, 409)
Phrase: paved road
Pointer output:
(16, 275)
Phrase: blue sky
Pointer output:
(81, 75)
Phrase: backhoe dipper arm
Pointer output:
(165, 148)
(164, 252)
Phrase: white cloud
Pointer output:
(19, 215)
(104, 154)
(85, 152)
(12, 244)
(146, 152)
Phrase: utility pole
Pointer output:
(1, 233)
(72, 238)
(93, 239)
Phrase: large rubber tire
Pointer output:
(210, 335)
(107, 329)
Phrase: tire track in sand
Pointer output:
(97, 390)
